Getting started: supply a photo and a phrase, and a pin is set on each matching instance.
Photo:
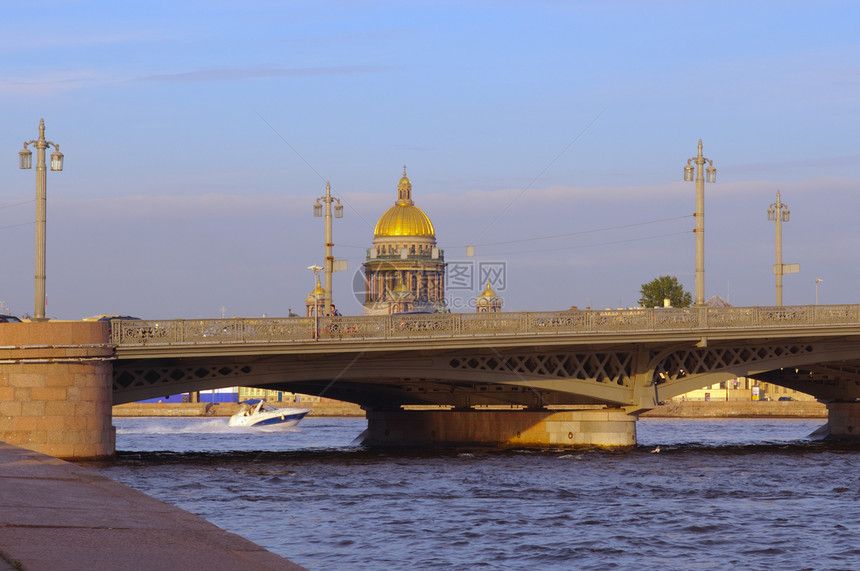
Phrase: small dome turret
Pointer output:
(488, 302)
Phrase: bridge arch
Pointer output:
(626, 360)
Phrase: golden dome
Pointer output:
(489, 291)
(319, 290)
(404, 218)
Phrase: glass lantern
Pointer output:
(688, 173)
(57, 160)
(25, 158)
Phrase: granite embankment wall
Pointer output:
(55, 388)
(57, 515)
(687, 409)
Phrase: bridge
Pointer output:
(569, 378)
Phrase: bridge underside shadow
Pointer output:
(479, 398)
(514, 396)
(391, 380)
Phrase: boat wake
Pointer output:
(192, 426)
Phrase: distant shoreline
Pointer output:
(320, 408)
(739, 409)
(686, 409)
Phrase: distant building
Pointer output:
(488, 302)
(404, 270)
(316, 298)
(743, 389)
(717, 301)
(228, 394)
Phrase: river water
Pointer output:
(696, 494)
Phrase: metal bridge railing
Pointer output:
(301, 329)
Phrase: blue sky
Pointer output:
(551, 135)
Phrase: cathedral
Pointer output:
(404, 271)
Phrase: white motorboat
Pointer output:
(258, 413)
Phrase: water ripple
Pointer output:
(719, 495)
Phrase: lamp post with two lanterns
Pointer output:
(779, 213)
(25, 158)
(703, 175)
(329, 263)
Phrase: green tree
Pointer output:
(654, 292)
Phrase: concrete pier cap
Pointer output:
(579, 428)
(55, 388)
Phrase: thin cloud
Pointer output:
(261, 72)
(823, 162)
(192, 207)
(52, 83)
(12, 41)
(49, 84)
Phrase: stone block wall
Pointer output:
(55, 388)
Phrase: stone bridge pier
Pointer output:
(586, 427)
(843, 420)
(55, 388)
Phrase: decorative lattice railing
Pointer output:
(303, 329)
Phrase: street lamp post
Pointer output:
(817, 281)
(316, 270)
(329, 257)
(779, 213)
(708, 174)
(25, 158)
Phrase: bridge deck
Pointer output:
(133, 338)
(632, 358)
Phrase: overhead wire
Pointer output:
(11, 204)
(579, 246)
(16, 225)
(568, 234)
(506, 208)
(281, 137)
(552, 162)
(580, 232)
